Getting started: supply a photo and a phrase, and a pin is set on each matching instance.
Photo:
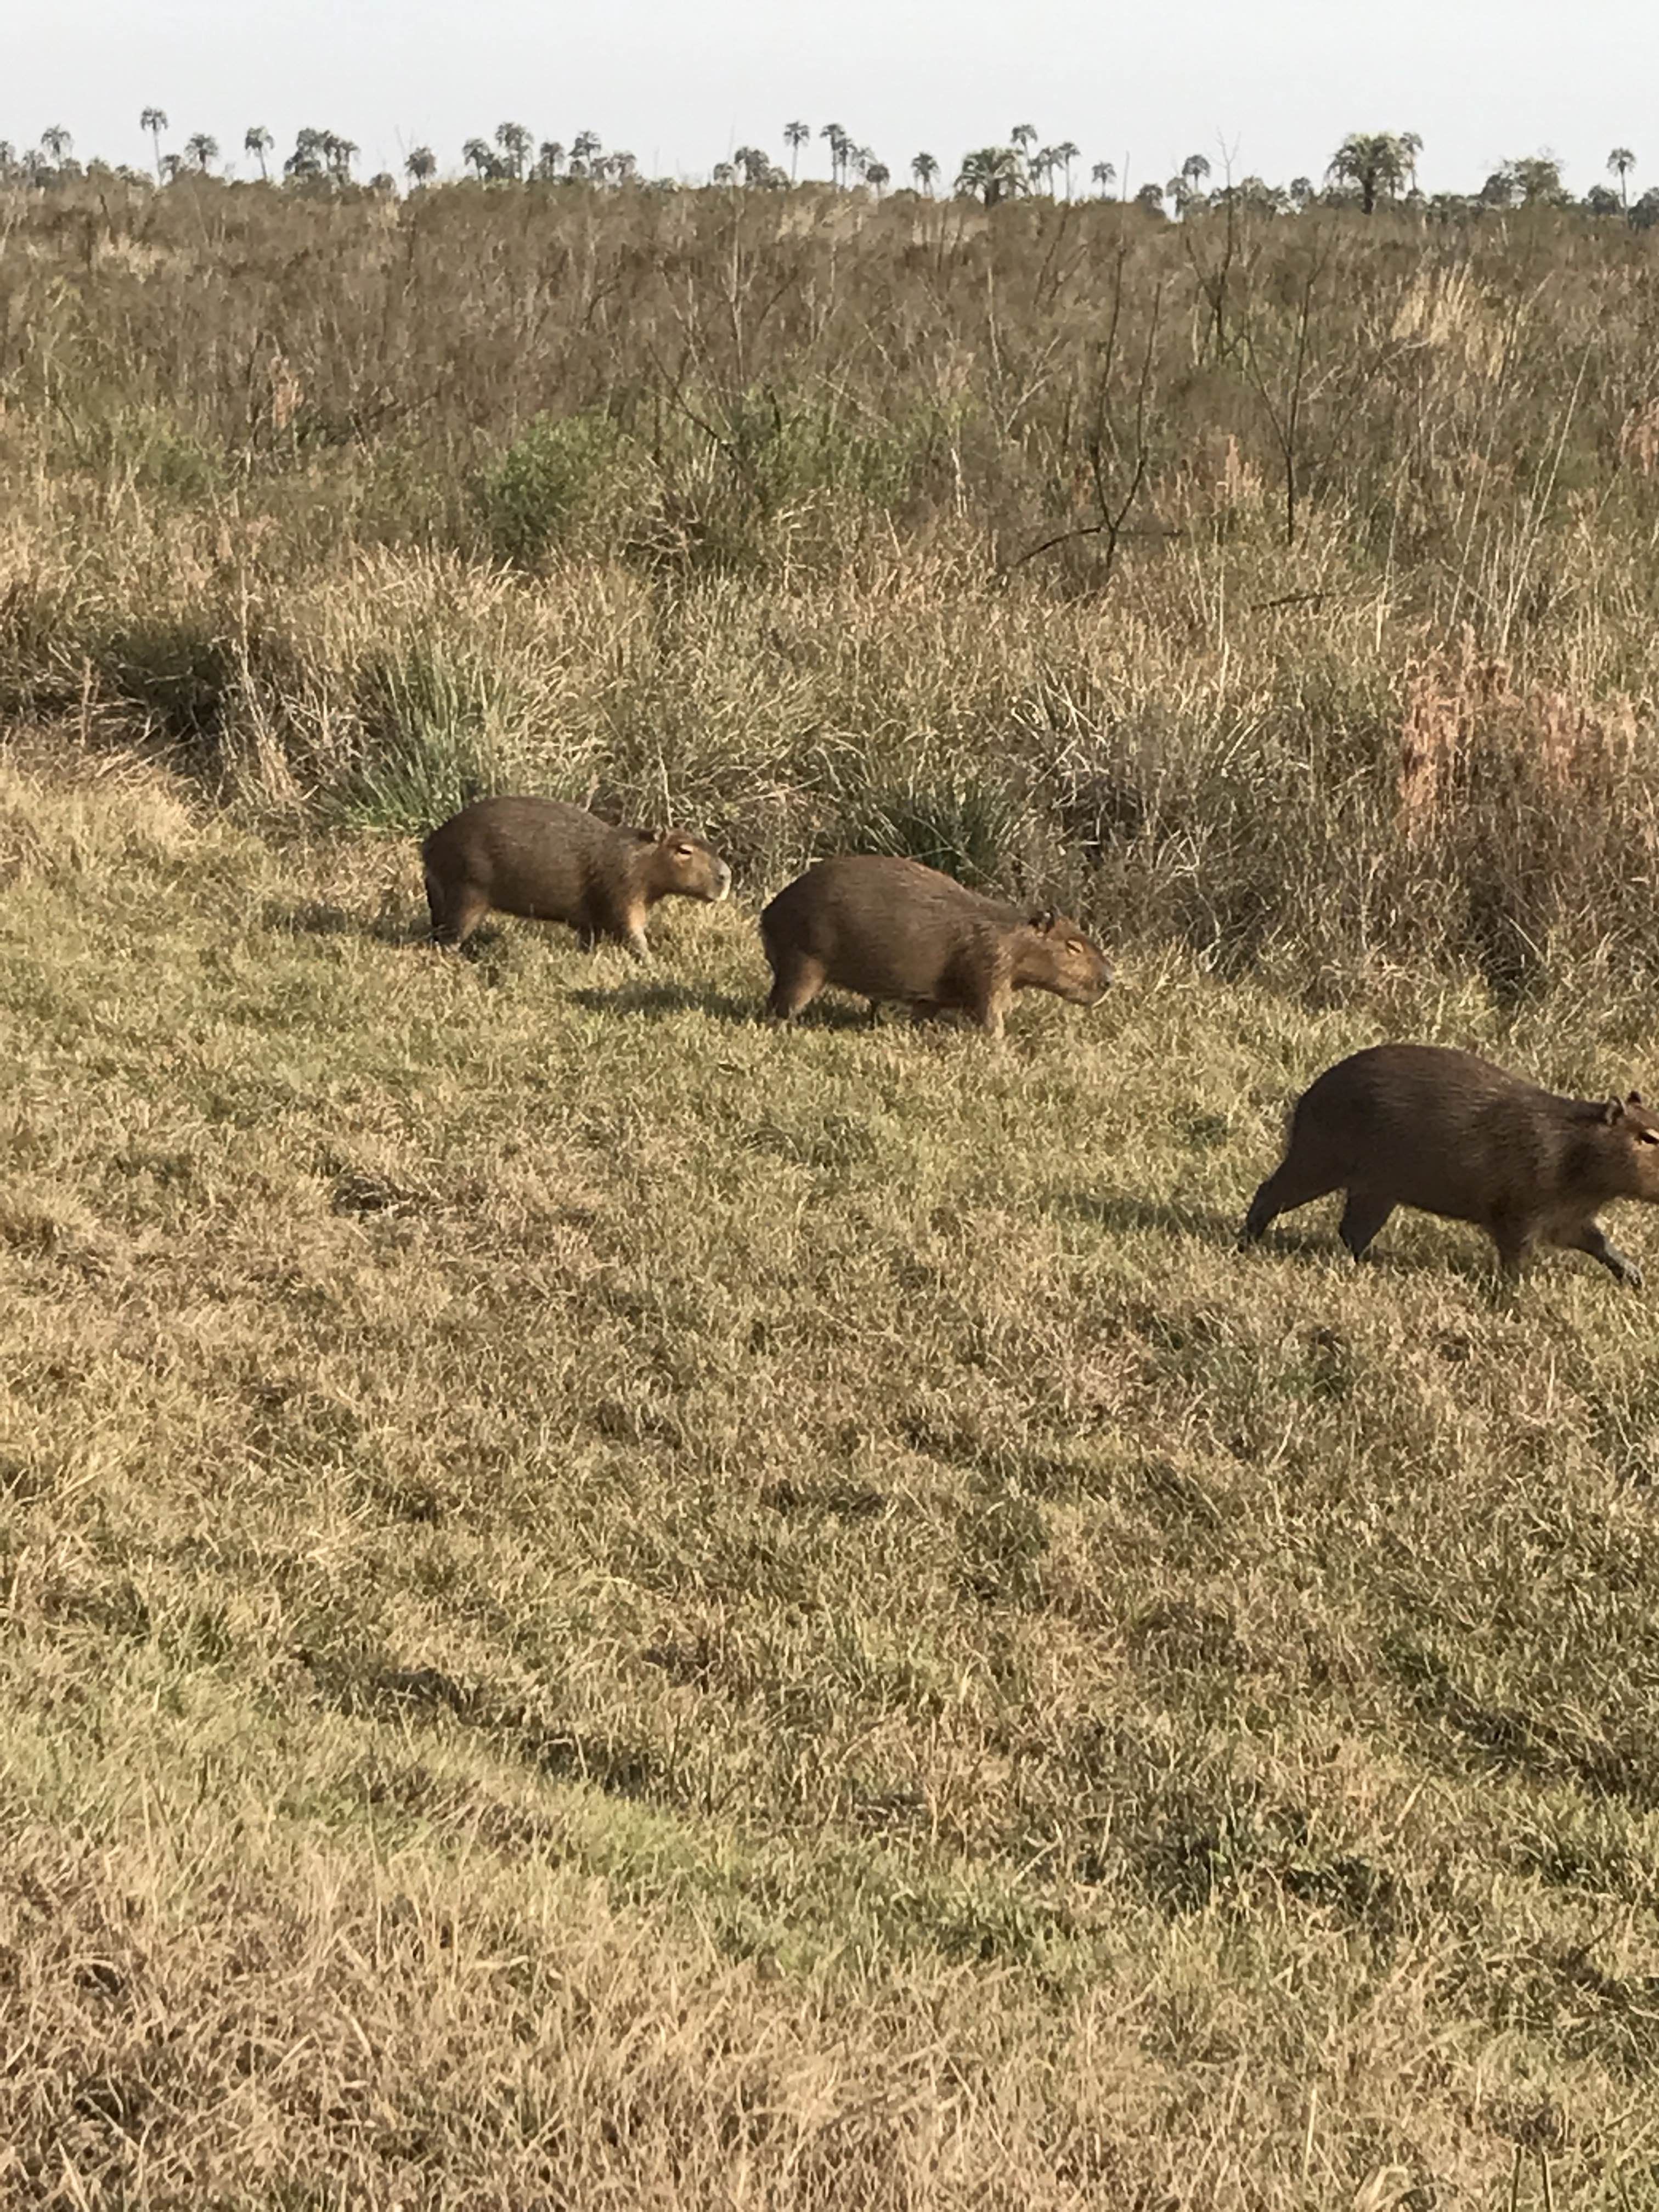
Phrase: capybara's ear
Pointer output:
(1043, 919)
(650, 836)
(1613, 1111)
(1634, 1098)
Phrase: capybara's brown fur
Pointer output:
(890, 929)
(1450, 1133)
(551, 862)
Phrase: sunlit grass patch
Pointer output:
(543, 1516)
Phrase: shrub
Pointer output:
(570, 483)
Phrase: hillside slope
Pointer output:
(603, 1606)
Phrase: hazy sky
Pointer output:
(680, 82)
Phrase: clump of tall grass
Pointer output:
(575, 484)
(748, 482)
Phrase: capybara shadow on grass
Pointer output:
(893, 931)
(1119, 1211)
(394, 924)
(1450, 1133)
(660, 1001)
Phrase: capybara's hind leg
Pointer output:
(1293, 1182)
(455, 914)
(1362, 1218)
(795, 984)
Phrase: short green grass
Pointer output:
(600, 1606)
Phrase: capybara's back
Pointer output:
(892, 929)
(1451, 1134)
(524, 856)
(547, 861)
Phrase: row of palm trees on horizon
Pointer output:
(514, 157)
(1369, 169)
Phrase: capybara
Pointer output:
(891, 929)
(1447, 1131)
(551, 862)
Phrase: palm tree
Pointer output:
(203, 150)
(623, 168)
(173, 167)
(723, 173)
(1151, 197)
(754, 162)
(307, 159)
(55, 144)
(1024, 135)
(994, 173)
(925, 170)
(1621, 161)
(840, 146)
(1302, 192)
(1065, 154)
(1194, 171)
(1537, 177)
(1104, 174)
(584, 146)
(154, 119)
(421, 165)
(548, 158)
(877, 175)
(259, 142)
(795, 136)
(1255, 194)
(1377, 162)
(515, 142)
(477, 155)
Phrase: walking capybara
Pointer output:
(551, 862)
(1446, 1131)
(891, 929)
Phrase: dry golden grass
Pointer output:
(603, 1606)
(1274, 587)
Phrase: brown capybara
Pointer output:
(891, 929)
(1447, 1131)
(549, 862)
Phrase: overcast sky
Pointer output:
(680, 82)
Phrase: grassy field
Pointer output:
(605, 1607)
(601, 1607)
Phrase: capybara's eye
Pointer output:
(1647, 1136)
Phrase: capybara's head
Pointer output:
(683, 866)
(1630, 1135)
(1057, 956)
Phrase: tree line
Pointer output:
(1368, 170)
